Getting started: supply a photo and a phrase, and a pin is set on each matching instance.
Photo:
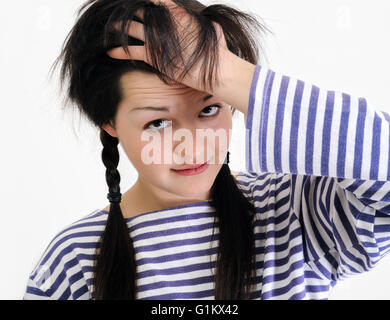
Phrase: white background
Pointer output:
(51, 166)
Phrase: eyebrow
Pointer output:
(163, 108)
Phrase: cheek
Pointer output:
(225, 120)
(224, 126)
(145, 153)
(133, 145)
(227, 125)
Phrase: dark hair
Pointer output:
(93, 85)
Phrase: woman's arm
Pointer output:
(335, 150)
(236, 78)
(297, 127)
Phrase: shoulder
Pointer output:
(86, 228)
(261, 188)
(234, 174)
(59, 273)
(250, 180)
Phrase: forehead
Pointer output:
(142, 85)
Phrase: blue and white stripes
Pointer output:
(336, 150)
(318, 175)
(303, 129)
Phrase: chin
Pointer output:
(191, 190)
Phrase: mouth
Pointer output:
(191, 170)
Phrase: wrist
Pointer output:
(234, 81)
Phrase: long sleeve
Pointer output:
(335, 148)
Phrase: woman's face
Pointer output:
(184, 114)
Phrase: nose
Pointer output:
(187, 149)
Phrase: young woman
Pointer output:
(312, 208)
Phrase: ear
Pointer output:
(109, 128)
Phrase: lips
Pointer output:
(194, 171)
(189, 166)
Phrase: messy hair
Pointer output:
(92, 81)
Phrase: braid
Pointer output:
(115, 267)
(110, 158)
(235, 266)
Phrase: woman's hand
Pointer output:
(185, 25)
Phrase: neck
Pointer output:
(144, 197)
(164, 199)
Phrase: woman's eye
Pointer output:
(151, 124)
(156, 124)
(212, 110)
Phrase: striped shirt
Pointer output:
(318, 174)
